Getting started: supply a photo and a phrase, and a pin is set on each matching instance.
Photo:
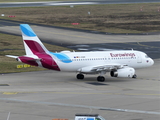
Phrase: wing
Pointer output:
(99, 68)
(108, 67)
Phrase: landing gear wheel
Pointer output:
(134, 76)
(100, 79)
(80, 76)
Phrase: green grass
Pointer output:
(13, 45)
(113, 18)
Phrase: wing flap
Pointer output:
(107, 67)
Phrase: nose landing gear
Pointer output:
(134, 76)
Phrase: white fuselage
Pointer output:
(78, 60)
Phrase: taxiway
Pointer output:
(49, 94)
(45, 95)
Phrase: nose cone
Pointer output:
(151, 62)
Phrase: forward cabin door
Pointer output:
(139, 59)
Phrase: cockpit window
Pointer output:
(146, 56)
(100, 118)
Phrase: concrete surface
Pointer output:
(47, 94)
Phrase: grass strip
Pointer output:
(112, 18)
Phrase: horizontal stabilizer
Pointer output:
(34, 59)
(12, 56)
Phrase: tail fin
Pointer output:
(32, 43)
(36, 52)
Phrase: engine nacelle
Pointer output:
(124, 72)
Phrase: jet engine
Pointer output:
(123, 72)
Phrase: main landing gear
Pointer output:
(80, 76)
(99, 78)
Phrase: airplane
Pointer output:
(120, 63)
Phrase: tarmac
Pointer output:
(45, 95)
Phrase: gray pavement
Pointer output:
(45, 95)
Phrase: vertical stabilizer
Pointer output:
(32, 44)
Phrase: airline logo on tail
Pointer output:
(31, 40)
(26, 29)
(36, 52)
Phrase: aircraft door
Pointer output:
(139, 59)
